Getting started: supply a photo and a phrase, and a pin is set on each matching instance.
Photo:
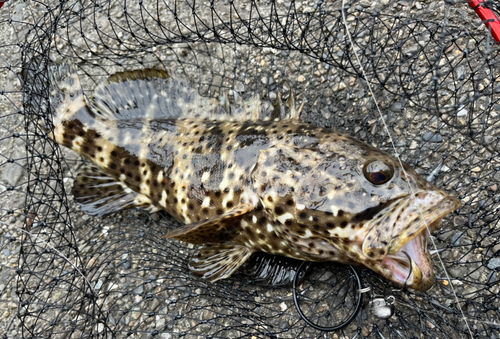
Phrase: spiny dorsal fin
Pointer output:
(287, 110)
(152, 94)
(99, 194)
(215, 262)
(215, 230)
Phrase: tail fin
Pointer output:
(67, 102)
(66, 94)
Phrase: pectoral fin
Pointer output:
(274, 270)
(216, 230)
(215, 262)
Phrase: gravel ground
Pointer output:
(121, 256)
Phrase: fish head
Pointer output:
(375, 210)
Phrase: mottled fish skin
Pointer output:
(244, 184)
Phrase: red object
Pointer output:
(2, 2)
(488, 16)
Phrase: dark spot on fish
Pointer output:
(340, 213)
(303, 215)
(270, 199)
(343, 224)
(311, 245)
(122, 170)
(371, 254)
(113, 153)
(101, 159)
(229, 204)
(99, 148)
(330, 225)
(112, 166)
(316, 227)
(262, 220)
(279, 210)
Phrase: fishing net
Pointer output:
(430, 67)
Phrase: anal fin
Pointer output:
(99, 194)
(216, 262)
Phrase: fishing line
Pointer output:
(400, 162)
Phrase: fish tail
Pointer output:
(67, 102)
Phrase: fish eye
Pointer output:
(377, 171)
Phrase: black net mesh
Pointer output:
(434, 71)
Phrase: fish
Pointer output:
(244, 176)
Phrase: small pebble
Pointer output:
(301, 78)
(476, 169)
(494, 187)
(494, 263)
(432, 137)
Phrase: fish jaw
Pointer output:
(412, 266)
(409, 262)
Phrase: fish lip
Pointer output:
(420, 275)
(431, 220)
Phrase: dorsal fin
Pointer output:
(153, 94)
(147, 94)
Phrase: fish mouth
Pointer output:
(409, 261)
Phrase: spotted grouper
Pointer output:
(245, 176)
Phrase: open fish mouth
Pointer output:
(411, 265)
